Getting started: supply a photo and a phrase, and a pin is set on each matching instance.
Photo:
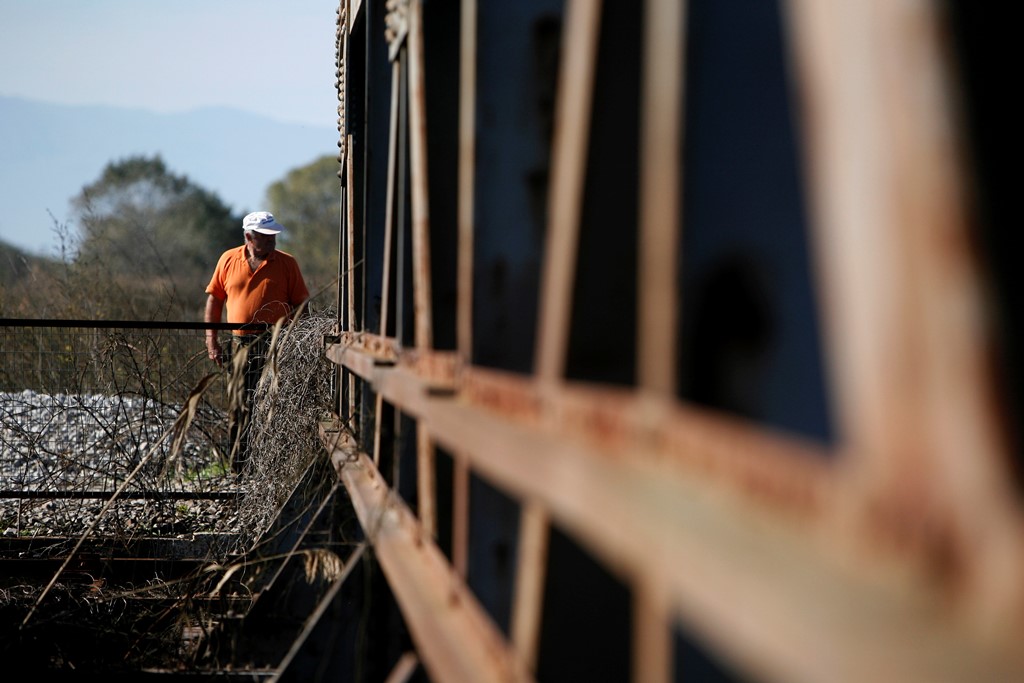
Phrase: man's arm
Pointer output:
(214, 308)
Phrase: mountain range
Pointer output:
(48, 152)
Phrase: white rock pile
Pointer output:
(93, 442)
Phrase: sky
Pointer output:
(274, 58)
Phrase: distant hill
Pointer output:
(48, 152)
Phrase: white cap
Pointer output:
(262, 222)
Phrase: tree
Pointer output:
(307, 202)
(151, 237)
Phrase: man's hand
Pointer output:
(214, 350)
(214, 307)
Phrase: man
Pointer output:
(259, 284)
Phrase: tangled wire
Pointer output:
(294, 395)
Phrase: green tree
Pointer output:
(150, 238)
(306, 201)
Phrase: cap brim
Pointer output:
(265, 231)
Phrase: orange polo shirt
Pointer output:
(267, 295)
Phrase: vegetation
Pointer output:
(306, 201)
(22, 276)
(145, 240)
(151, 236)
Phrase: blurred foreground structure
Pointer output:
(674, 339)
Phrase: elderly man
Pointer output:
(259, 284)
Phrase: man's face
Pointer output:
(260, 245)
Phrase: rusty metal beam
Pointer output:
(421, 285)
(350, 263)
(460, 516)
(404, 668)
(905, 307)
(568, 170)
(381, 348)
(657, 295)
(652, 635)
(455, 638)
(426, 488)
(467, 171)
(389, 206)
(788, 473)
(405, 384)
(528, 595)
(730, 526)
(766, 592)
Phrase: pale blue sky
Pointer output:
(273, 57)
